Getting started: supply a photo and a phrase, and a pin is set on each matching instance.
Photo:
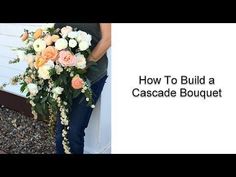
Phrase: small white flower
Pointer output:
(93, 106)
(20, 54)
(63, 115)
(71, 74)
(61, 44)
(57, 90)
(59, 69)
(73, 34)
(87, 99)
(72, 43)
(67, 151)
(66, 122)
(33, 89)
(82, 90)
(64, 131)
(68, 69)
(32, 103)
(81, 61)
(39, 45)
(35, 115)
(83, 45)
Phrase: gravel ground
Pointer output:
(23, 135)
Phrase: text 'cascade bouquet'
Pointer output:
(56, 72)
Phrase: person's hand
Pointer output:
(91, 58)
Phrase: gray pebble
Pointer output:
(23, 135)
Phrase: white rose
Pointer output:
(59, 69)
(50, 64)
(43, 71)
(72, 34)
(61, 44)
(65, 31)
(39, 45)
(20, 54)
(83, 45)
(57, 90)
(81, 61)
(83, 36)
(72, 43)
(33, 89)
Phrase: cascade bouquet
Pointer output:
(55, 73)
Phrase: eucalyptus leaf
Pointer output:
(76, 93)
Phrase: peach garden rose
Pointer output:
(24, 36)
(77, 82)
(66, 58)
(50, 53)
(38, 33)
(48, 39)
(55, 38)
(39, 61)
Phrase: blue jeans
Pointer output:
(79, 118)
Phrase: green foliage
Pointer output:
(76, 93)
(23, 86)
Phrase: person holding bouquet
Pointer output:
(96, 73)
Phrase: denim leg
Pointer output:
(79, 119)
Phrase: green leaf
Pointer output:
(44, 99)
(76, 93)
(23, 87)
(39, 109)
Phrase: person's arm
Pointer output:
(103, 44)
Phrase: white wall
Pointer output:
(98, 133)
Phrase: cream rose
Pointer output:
(83, 36)
(61, 44)
(65, 31)
(43, 71)
(33, 89)
(72, 34)
(81, 61)
(39, 45)
(83, 45)
(72, 43)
